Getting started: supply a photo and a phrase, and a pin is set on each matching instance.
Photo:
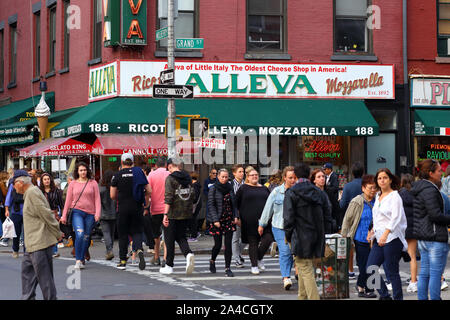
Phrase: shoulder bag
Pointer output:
(70, 211)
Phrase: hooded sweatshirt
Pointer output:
(179, 194)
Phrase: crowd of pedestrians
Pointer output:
(386, 218)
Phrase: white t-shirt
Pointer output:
(389, 214)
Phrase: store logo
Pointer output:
(102, 81)
(348, 86)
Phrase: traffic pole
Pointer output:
(171, 113)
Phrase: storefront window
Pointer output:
(437, 148)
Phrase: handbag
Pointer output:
(70, 211)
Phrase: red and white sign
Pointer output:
(249, 80)
(56, 147)
(211, 143)
(430, 92)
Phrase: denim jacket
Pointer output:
(274, 209)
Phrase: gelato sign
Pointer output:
(257, 80)
(430, 92)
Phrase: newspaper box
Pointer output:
(331, 271)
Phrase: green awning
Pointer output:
(22, 127)
(431, 122)
(23, 110)
(232, 116)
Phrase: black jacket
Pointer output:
(304, 220)
(430, 223)
(215, 205)
(408, 206)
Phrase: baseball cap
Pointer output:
(127, 156)
(20, 173)
(327, 166)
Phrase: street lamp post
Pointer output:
(171, 113)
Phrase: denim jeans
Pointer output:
(18, 226)
(285, 255)
(83, 224)
(362, 251)
(433, 258)
(389, 256)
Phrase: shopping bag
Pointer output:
(8, 229)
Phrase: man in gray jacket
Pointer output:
(41, 234)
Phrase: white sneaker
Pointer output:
(4, 242)
(389, 286)
(261, 266)
(255, 270)
(444, 285)
(287, 283)
(412, 287)
(79, 265)
(190, 263)
(166, 270)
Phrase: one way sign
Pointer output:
(161, 91)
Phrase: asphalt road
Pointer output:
(101, 280)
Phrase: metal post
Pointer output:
(171, 113)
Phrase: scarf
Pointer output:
(224, 188)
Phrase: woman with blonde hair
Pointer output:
(273, 210)
(275, 180)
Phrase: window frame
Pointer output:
(52, 39)
(37, 43)
(369, 33)
(283, 36)
(97, 43)
(12, 55)
(162, 50)
(65, 37)
(2, 60)
(442, 40)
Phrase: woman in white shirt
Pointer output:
(388, 235)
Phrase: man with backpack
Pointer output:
(178, 199)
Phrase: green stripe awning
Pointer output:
(431, 122)
(22, 127)
(23, 110)
(232, 116)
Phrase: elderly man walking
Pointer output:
(41, 234)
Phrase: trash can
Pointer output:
(331, 271)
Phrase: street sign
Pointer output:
(163, 91)
(166, 76)
(195, 43)
(161, 34)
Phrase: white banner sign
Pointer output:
(430, 92)
(263, 80)
(211, 143)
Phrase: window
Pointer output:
(2, 75)
(266, 25)
(66, 35)
(13, 53)
(184, 23)
(351, 35)
(37, 44)
(443, 7)
(52, 38)
(97, 30)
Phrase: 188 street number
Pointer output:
(98, 127)
(362, 131)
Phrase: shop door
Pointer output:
(381, 152)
